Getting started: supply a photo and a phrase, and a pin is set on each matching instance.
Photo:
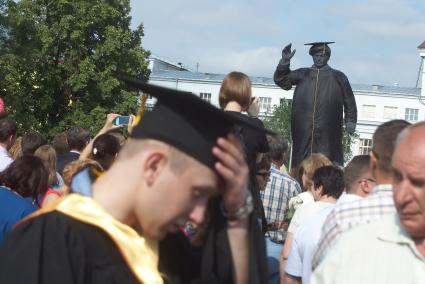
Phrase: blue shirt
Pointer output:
(12, 209)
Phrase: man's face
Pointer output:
(177, 197)
(320, 59)
(263, 177)
(409, 183)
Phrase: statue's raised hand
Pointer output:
(287, 54)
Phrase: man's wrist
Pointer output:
(236, 212)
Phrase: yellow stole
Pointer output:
(140, 254)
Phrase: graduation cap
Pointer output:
(185, 121)
(320, 47)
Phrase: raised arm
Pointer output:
(283, 76)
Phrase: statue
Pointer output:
(321, 96)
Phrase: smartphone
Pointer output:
(121, 120)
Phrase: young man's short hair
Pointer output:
(30, 142)
(78, 138)
(8, 127)
(354, 170)
(60, 143)
(331, 179)
(278, 146)
(384, 140)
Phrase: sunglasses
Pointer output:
(263, 173)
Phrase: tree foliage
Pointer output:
(280, 122)
(61, 59)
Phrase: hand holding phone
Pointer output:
(121, 120)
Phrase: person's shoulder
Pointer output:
(339, 74)
(368, 232)
(9, 197)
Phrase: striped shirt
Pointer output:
(346, 216)
(280, 188)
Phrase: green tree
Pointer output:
(62, 62)
(280, 122)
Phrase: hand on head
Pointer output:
(233, 169)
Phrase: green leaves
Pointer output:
(60, 60)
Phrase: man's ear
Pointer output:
(373, 162)
(365, 188)
(11, 140)
(153, 164)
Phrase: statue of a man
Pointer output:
(321, 95)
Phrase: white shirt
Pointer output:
(379, 252)
(348, 215)
(305, 242)
(303, 213)
(5, 159)
(347, 197)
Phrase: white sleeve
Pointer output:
(294, 265)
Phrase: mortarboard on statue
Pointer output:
(185, 121)
(322, 46)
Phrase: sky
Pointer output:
(375, 40)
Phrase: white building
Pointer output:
(375, 104)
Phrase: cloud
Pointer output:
(376, 40)
(387, 18)
(260, 61)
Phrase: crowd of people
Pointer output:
(198, 194)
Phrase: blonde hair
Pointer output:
(16, 149)
(77, 166)
(47, 154)
(310, 164)
(236, 87)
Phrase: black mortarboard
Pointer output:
(320, 47)
(185, 121)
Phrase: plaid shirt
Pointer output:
(275, 197)
(352, 214)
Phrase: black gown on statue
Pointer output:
(320, 98)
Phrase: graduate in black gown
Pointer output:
(321, 96)
(180, 155)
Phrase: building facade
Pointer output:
(375, 104)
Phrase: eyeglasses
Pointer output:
(263, 173)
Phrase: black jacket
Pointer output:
(320, 97)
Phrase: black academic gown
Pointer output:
(316, 124)
(54, 248)
(182, 263)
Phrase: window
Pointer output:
(206, 96)
(365, 146)
(265, 104)
(411, 114)
(368, 111)
(390, 112)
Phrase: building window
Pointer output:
(390, 112)
(368, 111)
(411, 114)
(206, 96)
(365, 146)
(265, 104)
